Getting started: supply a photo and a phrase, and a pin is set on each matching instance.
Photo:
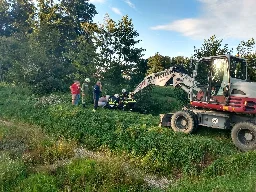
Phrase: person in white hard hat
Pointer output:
(85, 90)
(123, 97)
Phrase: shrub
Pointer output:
(11, 172)
(38, 182)
(157, 100)
(91, 175)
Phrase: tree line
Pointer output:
(47, 44)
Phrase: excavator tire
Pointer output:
(184, 121)
(244, 136)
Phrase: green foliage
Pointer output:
(232, 173)
(15, 17)
(44, 58)
(231, 165)
(50, 151)
(211, 47)
(91, 175)
(245, 50)
(202, 162)
(38, 182)
(183, 63)
(119, 55)
(158, 63)
(160, 100)
(138, 74)
(11, 171)
(121, 131)
(106, 173)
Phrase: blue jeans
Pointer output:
(96, 100)
(77, 98)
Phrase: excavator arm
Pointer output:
(180, 78)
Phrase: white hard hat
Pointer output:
(116, 95)
(123, 90)
(87, 80)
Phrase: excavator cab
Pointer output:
(215, 76)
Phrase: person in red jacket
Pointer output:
(75, 92)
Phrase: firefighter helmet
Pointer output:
(87, 80)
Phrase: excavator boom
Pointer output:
(180, 78)
(159, 78)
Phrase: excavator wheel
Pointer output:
(184, 121)
(244, 136)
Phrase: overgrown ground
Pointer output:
(48, 145)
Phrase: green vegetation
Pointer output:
(48, 145)
(31, 160)
(160, 100)
(48, 45)
(231, 173)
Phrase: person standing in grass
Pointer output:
(97, 89)
(75, 92)
(85, 90)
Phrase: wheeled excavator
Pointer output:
(220, 97)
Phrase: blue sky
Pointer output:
(174, 27)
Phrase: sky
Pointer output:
(174, 27)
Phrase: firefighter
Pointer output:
(85, 90)
(130, 102)
(113, 101)
(123, 98)
(124, 94)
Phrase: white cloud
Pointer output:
(224, 18)
(116, 11)
(97, 1)
(130, 3)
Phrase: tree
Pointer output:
(245, 50)
(49, 56)
(138, 74)
(211, 47)
(118, 54)
(158, 63)
(12, 51)
(182, 62)
(16, 17)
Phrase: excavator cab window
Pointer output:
(203, 72)
(212, 77)
(219, 75)
(238, 68)
(202, 79)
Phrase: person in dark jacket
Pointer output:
(96, 94)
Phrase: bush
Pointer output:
(157, 100)
(91, 175)
(38, 182)
(11, 172)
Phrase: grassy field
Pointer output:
(49, 145)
